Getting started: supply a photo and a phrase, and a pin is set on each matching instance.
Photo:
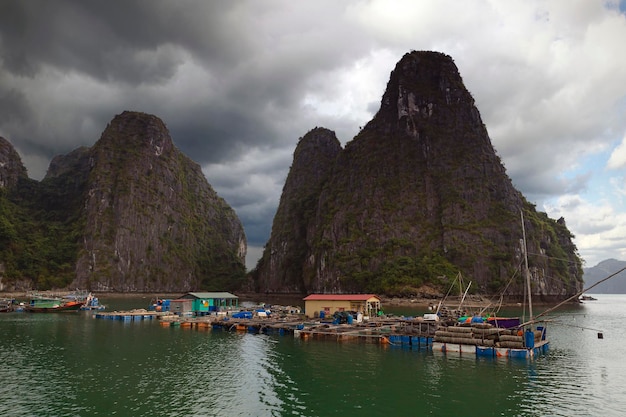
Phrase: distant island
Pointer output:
(616, 285)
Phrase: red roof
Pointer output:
(339, 297)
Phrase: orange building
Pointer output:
(366, 304)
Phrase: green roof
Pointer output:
(209, 295)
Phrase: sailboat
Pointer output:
(526, 340)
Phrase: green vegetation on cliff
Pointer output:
(130, 214)
(39, 234)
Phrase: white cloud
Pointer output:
(598, 227)
(617, 160)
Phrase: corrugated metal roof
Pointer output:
(340, 297)
(207, 295)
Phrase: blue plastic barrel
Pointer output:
(485, 351)
(529, 339)
(322, 314)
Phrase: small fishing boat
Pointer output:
(6, 305)
(41, 304)
(89, 301)
(92, 303)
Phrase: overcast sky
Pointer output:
(238, 82)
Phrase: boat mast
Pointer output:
(530, 300)
(464, 295)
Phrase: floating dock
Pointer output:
(399, 331)
(413, 333)
(133, 315)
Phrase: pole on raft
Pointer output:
(530, 300)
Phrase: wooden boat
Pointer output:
(51, 305)
(88, 301)
(502, 337)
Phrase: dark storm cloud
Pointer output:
(246, 84)
(106, 39)
(14, 107)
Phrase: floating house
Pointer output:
(318, 305)
(210, 302)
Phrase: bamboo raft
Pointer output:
(485, 340)
(132, 315)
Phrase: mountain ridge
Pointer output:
(605, 268)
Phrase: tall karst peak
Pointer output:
(418, 196)
(153, 220)
(130, 214)
(137, 130)
(419, 79)
(425, 89)
(315, 151)
(313, 159)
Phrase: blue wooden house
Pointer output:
(210, 302)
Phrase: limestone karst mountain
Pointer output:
(131, 213)
(416, 197)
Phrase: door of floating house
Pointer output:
(207, 302)
(182, 307)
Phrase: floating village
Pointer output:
(326, 317)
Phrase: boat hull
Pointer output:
(490, 351)
(69, 306)
(504, 322)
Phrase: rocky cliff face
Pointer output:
(417, 196)
(135, 214)
(11, 167)
(284, 258)
(153, 223)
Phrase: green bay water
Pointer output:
(71, 364)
